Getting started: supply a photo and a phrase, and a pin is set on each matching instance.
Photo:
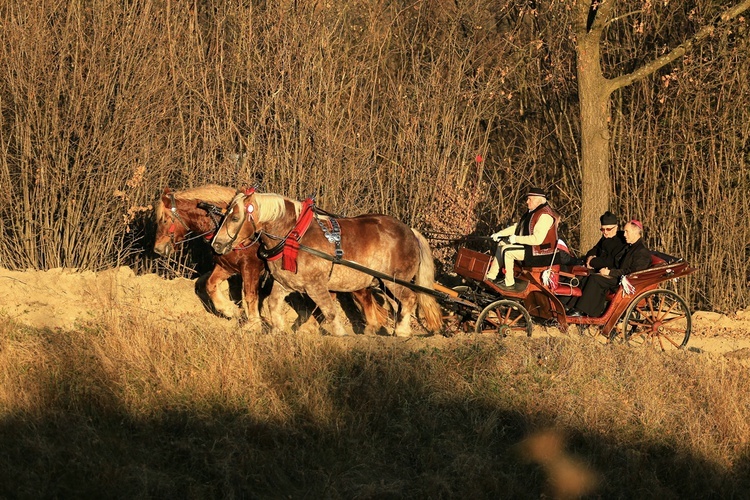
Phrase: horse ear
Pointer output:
(165, 196)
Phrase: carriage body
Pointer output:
(647, 313)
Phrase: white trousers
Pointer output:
(509, 254)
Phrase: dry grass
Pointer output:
(129, 407)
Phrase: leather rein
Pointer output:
(213, 212)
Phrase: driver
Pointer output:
(532, 240)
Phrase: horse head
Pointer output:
(170, 227)
(233, 227)
(180, 213)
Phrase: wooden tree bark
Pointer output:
(594, 96)
(594, 91)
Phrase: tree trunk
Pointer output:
(593, 95)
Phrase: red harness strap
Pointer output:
(291, 242)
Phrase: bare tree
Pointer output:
(591, 19)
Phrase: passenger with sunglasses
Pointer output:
(609, 245)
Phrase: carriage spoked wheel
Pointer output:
(504, 317)
(657, 318)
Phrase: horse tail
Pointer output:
(427, 303)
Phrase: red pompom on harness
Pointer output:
(291, 242)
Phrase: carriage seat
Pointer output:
(656, 260)
(564, 283)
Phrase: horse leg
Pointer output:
(370, 310)
(222, 304)
(407, 302)
(251, 274)
(276, 305)
(327, 305)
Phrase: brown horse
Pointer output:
(378, 242)
(178, 214)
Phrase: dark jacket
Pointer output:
(632, 258)
(606, 251)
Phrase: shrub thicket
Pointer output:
(373, 106)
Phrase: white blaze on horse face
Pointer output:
(236, 221)
(164, 238)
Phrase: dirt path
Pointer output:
(62, 298)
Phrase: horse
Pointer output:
(179, 213)
(378, 242)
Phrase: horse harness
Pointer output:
(288, 246)
(333, 236)
(175, 215)
(214, 212)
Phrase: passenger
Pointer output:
(601, 255)
(635, 257)
(609, 246)
(532, 240)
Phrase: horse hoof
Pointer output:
(254, 325)
(229, 313)
(338, 331)
(371, 331)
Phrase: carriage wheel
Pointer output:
(658, 318)
(504, 317)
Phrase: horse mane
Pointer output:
(210, 193)
(272, 206)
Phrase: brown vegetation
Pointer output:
(372, 107)
(123, 386)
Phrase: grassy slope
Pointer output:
(134, 408)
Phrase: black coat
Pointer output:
(632, 258)
(606, 251)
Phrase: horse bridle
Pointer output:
(245, 214)
(212, 211)
(175, 215)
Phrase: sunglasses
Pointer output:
(607, 229)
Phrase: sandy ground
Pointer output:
(62, 299)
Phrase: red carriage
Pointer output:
(647, 313)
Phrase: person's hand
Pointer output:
(588, 261)
(512, 239)
(604, 271)
(496, 237)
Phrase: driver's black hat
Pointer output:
(535, 191)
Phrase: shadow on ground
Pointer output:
(387, 434)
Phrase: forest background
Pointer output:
(438, 113)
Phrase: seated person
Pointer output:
(609, 246)
(532, 240)
(635, 257)
(601, 255)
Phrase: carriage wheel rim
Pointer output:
(662, 317)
